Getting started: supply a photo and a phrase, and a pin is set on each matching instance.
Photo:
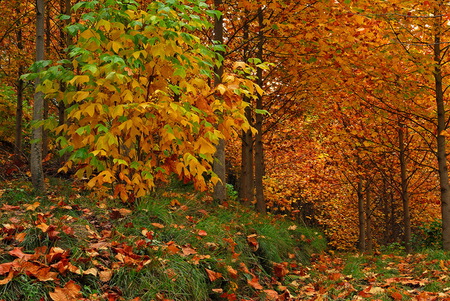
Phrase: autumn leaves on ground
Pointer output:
(179, 245)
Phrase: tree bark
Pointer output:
(220, 192)
(404, 187)
(246, 182)
(441, 143)
(18, 149)
(37, 173)
(259, 147)
(361, 217)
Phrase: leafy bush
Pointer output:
(429, 235)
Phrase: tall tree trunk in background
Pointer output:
(18, 149)
(220, 192)
(259, 147)
(37, 173)
(246, 182)
(361, 217)
(441, 141)
(46, 101)
(368, 213)
(404, 187)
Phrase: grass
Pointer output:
(173, 244)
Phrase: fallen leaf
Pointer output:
(202, 233)
(106, 275)
(213, 275)
(271, 295)
(158, 225)
(255, 283)
(70, 292)
(32, 207)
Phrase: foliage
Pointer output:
(429, 235)
(141, 106)
(175, 244)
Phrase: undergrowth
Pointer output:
(175, 244)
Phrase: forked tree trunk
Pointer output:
(37, 173)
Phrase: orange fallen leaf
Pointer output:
(106, 275)
(213, 275)
(202, 233)
(255, 283)
(271, 295)
(158, 225)
(70, 292)
(32, 207)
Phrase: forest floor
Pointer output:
(177, 244)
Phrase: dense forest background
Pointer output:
(334, 113)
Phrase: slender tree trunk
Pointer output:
(46, 101)
(246, 185)
(368, 213)
(259, 147)
(220, 192)
(361, 217)
(404, 187)
(37, 173)
(18, 149)
(441, 141)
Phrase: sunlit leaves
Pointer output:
(141, 104)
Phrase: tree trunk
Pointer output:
(259, 147)
(246, 182)
(368, 213)
(18, 149)
(37, 173)
(361, 217)
(220, 192)
(404, 187)
(441, 144)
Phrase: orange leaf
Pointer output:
(8, 278)
(105, 276)
(255, 283)
(32, 207)
(396, 296)
(188, 251)
(233, 273)
(70, 292)
(19, 254)
(202, 233)
(158, 225)
(271, 295)
(172, 249)
(213, 275)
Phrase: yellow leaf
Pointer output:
(32, 207)
(80, 95)
(221, 88)
(78, 80)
